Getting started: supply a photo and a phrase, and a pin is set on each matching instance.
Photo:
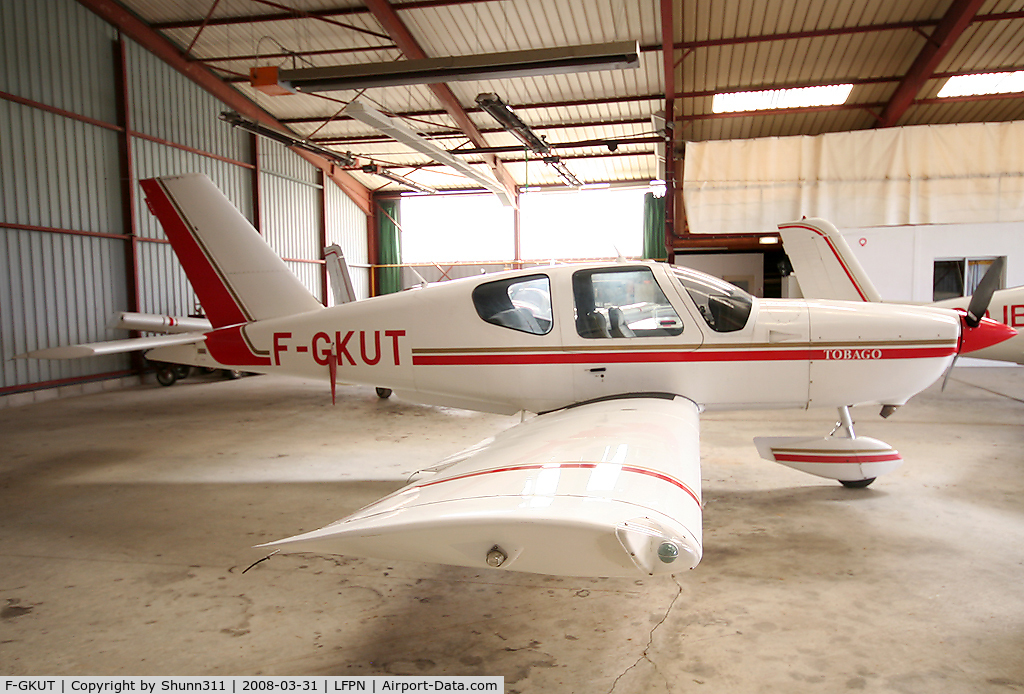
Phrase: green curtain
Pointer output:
(390, 245)
(654, 227)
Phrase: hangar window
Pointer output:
(623, 302)
(520, 303)
(724, 307)
(952, 278)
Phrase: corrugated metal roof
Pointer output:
(726, 45)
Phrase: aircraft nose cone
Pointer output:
(988, 333)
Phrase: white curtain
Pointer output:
(931, 174)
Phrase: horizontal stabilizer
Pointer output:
(96, 349)
(156, 323)
(834, 457)
(341, 278)
(605, 489)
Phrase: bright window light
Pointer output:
(803, 97)
(455, 228)
(587, 224)
(988, 83)
(553, 226)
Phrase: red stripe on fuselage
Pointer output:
(570, 466)
(627, 357)
(838, 458)
(218, 302)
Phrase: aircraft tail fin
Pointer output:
(824, 263)
(235, 273)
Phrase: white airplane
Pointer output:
(827, 268)
(618, 359)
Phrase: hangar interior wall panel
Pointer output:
(927, 174)
(57, 172)
(290, 194)
(346, 226)
(168, 105)
(58, 289)
(60, 54)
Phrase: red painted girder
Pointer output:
(141, 33)
(957, 18)
(410, 47)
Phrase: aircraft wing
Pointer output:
(95, 349)
(824, 263)
(609, 488)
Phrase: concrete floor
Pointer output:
(126, 519)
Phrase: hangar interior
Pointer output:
(129, 510)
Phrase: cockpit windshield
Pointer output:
(725, 307)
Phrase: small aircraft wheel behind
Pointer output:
(857, 484)
(165, 375)
(232, 374)
(181, 371)
(383, 393)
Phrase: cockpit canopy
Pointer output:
(724, 307)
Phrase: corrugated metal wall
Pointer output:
(60, 288)
(346, 226)
(290, 194)
(55, 172)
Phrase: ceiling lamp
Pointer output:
(502, 112)
(256, 128)
(769, 99)
(396, 178)
(983, 83)
(547, 61)
(398, 131)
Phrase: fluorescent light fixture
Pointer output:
(767, 240)
(502, 112)
(252, 126)
(397, 178)
(399, 132)
(546, 61)
(595, 186)
(563, 171)
(802, 97)
(985, 83)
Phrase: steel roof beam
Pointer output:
(311, 14)
(133, 27)
(400, 34)
(957, 18)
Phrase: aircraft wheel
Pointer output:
(165, 375)
(232, 374)
(181, 371)
(383, 393)
(857, 484)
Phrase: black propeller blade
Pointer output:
(983, 294)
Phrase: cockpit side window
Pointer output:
(725, 307)
(623, 302)
(520, 303)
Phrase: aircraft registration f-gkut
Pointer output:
(618, 360)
